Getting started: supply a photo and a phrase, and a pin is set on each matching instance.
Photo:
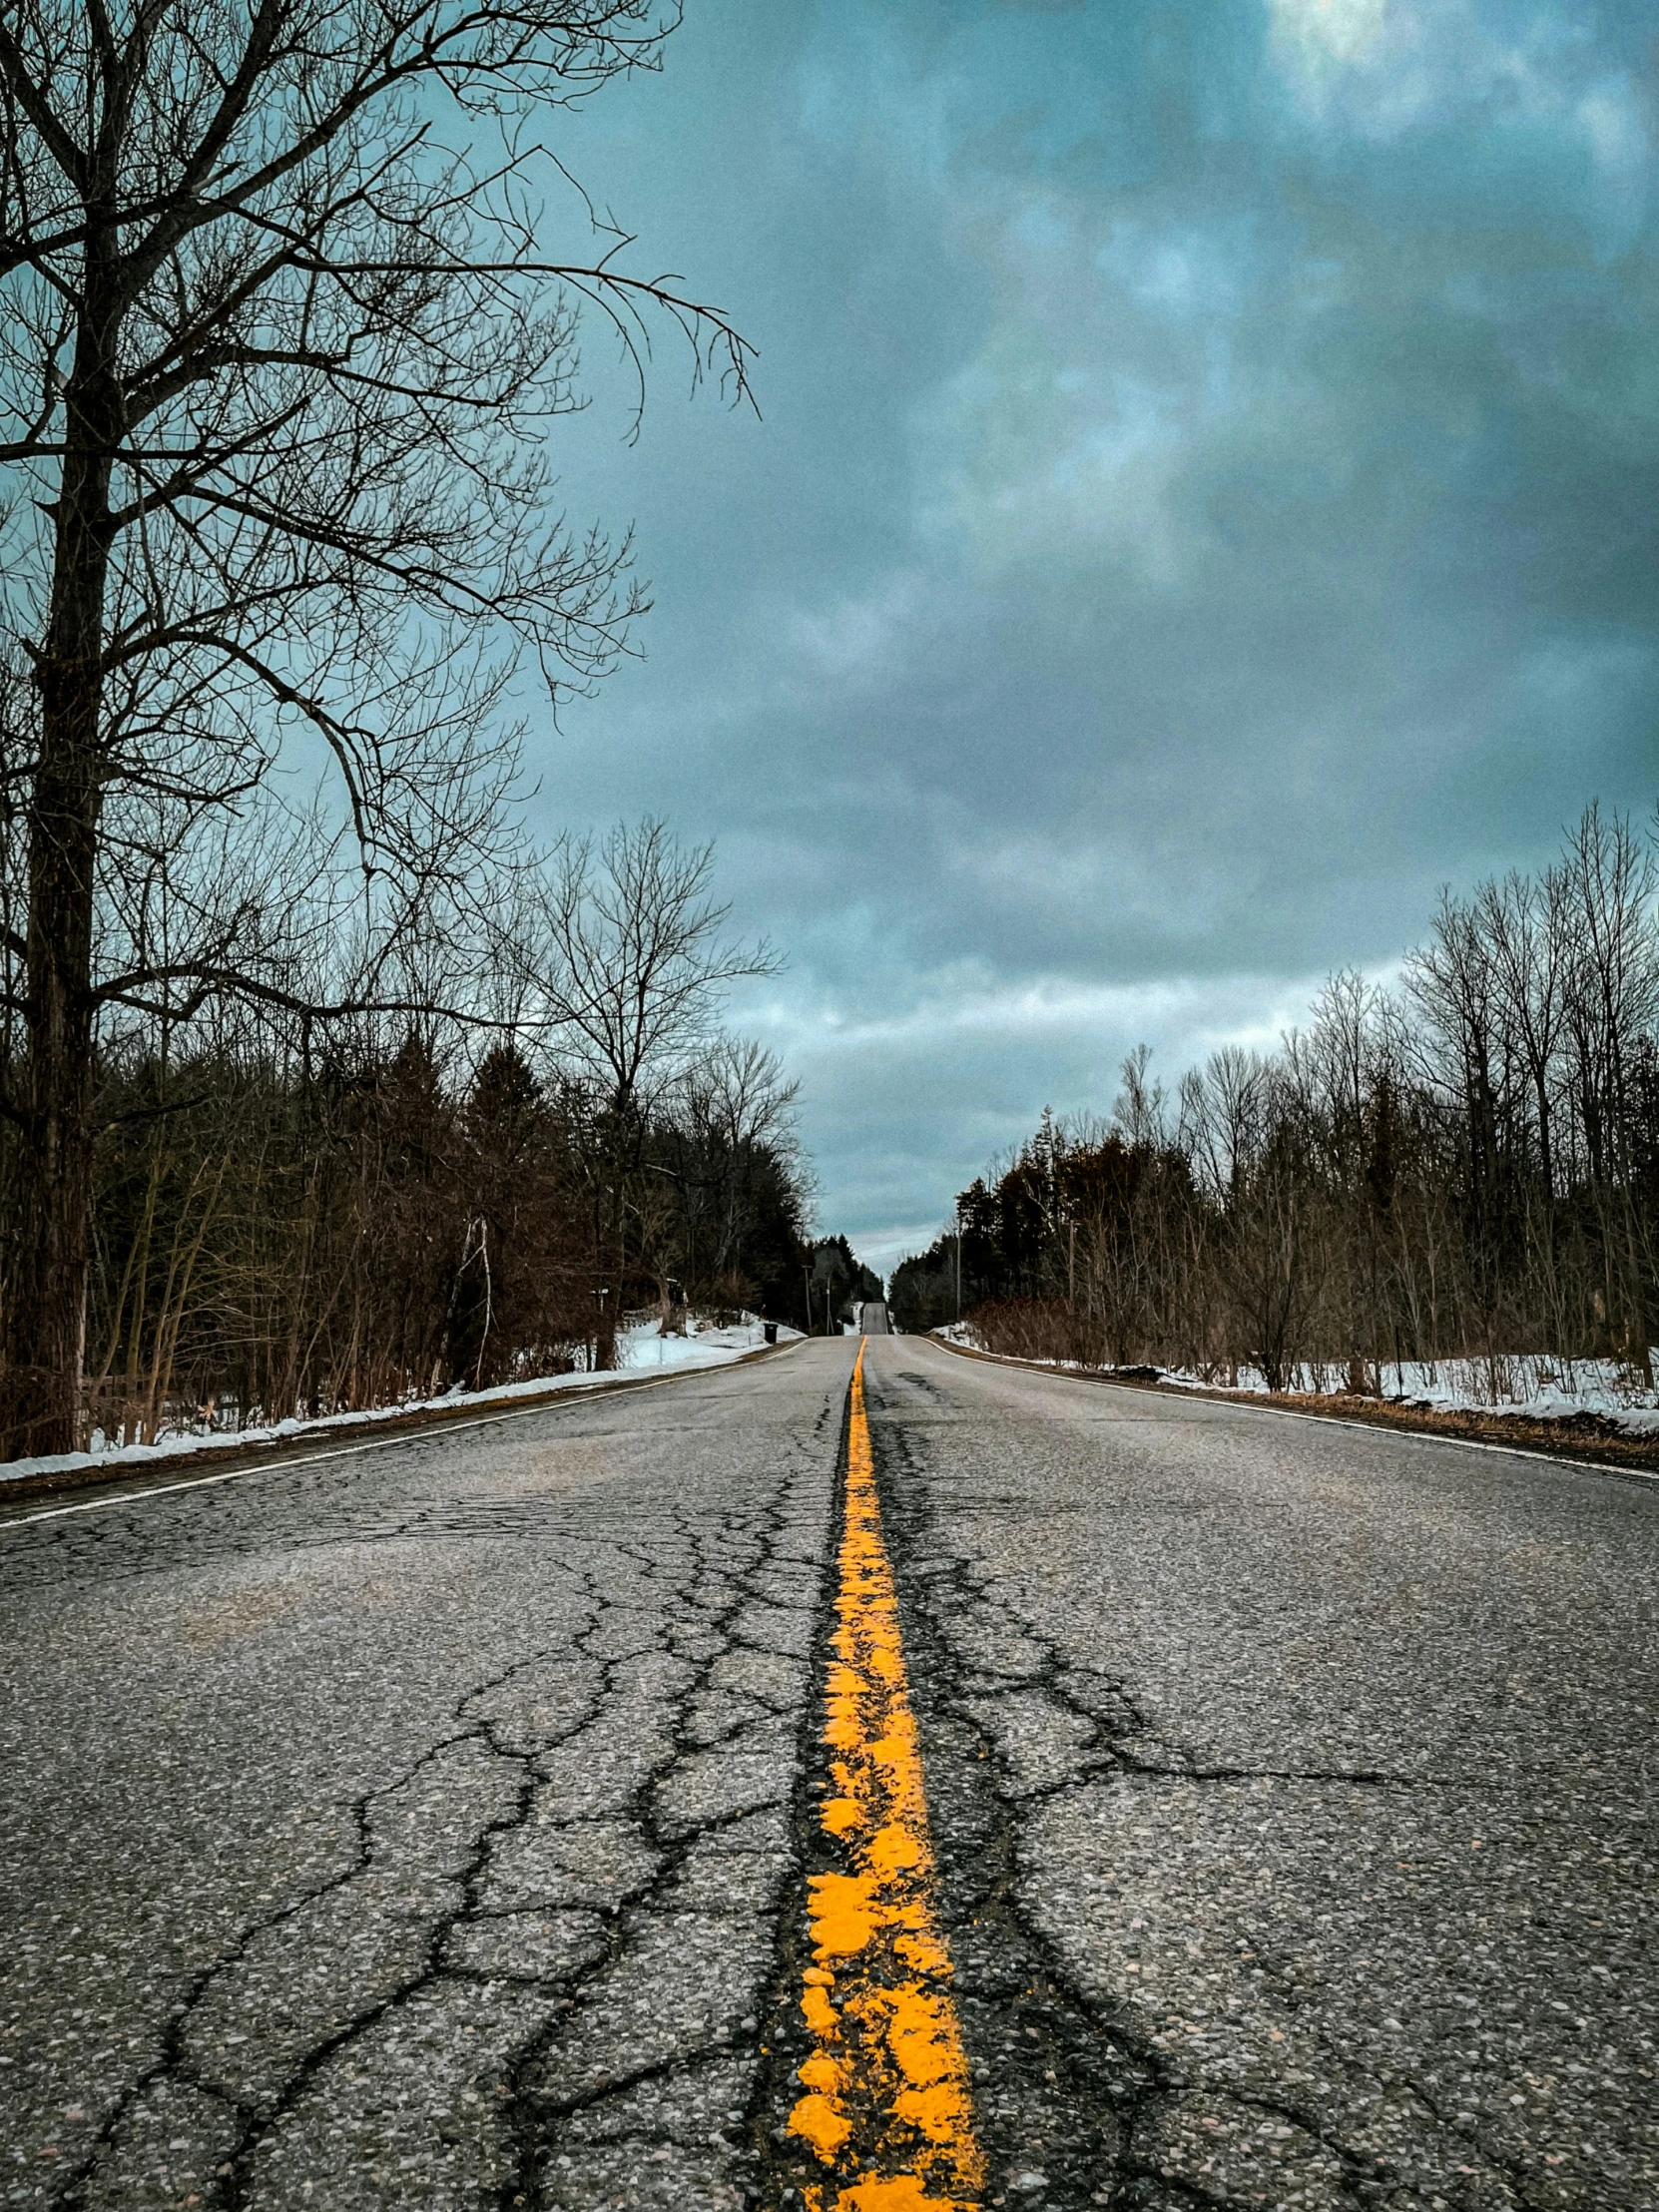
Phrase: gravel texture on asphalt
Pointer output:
(411, 1829)
(429, 1827)
(1293, 1791)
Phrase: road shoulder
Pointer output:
(1585, 1442)
(94, 1485)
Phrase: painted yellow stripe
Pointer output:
(887, 2105)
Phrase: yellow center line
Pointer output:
(886, 2101)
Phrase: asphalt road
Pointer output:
(429, 1827)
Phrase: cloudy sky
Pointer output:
(1206, 499)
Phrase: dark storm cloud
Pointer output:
(1204, 500)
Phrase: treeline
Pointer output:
(839, 1282)
(522, 1142)
(1463, 1166)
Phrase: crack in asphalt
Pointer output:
(335, 1501)
(1054, 2076)
(534, 2113)
(1110, 2086)
(260, 2115)
(705, 1592)
(598, 1862)
(777, 2160)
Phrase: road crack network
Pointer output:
(882, 2102)
(538, 1967)
(464, 1827)
(1081, 2101)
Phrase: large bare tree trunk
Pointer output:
(47, 1321)
(46, 1318)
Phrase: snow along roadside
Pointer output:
(1443, 1386)
(642, 1353)
(1533, 1441)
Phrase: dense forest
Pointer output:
(1464, 1165)
(476, 1181)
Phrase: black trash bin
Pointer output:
(769, 1329)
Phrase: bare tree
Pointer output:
(734, 1113)
(1527, 922)
(630, 971)
(279, 345)
(632, 961)
(1613, 1003)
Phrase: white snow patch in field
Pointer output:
(1522, 1386)
(640, 1350)
(1519, 1386)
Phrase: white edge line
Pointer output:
(1326, 1420)
(550, 1402)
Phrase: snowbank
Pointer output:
(640, 1350)
(1522, 1386)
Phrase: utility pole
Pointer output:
(807, 1281)
(958, 1262)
